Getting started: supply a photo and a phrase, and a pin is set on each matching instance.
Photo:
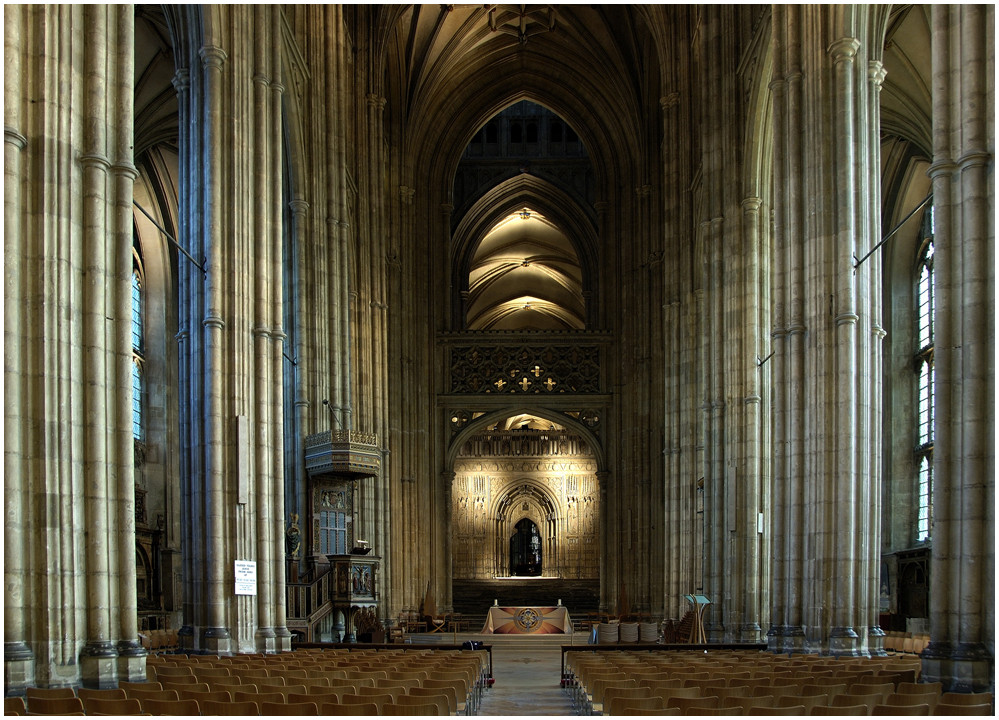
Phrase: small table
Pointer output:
(522, 620)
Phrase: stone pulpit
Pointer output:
(354, 587)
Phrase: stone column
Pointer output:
(17, 656)
(277, 337)
(216, 637)
(185, 359)
(607, 581)
(962, 599)
(131, 654)
(263, 441)
(749, 482)
(98, 656)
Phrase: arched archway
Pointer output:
(511, 467)
(526, 556)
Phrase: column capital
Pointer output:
(752, 204)
(406, 194)
(876, 73)
(375, 101)
(13, 137)
(298, 207)
(181, 80)
(212, 56)
(844, 49)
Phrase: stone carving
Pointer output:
(293, 538)
(531, 369)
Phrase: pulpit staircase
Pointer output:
(308, 605)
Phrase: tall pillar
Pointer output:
(826, 426)
(216, 637)
(131, 665)
(17, 656)
(749, 481)
(962, 595)
(277, 337)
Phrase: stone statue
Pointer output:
(293, 537)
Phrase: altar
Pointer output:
(527, 621)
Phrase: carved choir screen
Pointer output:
(544, 476)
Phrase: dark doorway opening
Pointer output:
(525, 550)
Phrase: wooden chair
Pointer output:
(808, 701)
(397, 682)
(906, 699)
(911, 688)
(684, 703)
(628, 706)
(211, 672)
(713, 711)
(171, 707)
(179, 681)
(656, 711)
(126, 686)
(792, 710)
(455, 691)
(92, 694)
(411, 709)
(140, 695)
(617, 696)
(48, 693)
(841, 710)
(14, 706)
(112, 706)
(943, 708)
(746, 702)
(285, 690)
(342, 708)
(294, 709)
(900, 710)
(848, 699)
(258, 697)
(377, 700)
(956, 698)
(212, 707)
(318, 696)
(39, 705)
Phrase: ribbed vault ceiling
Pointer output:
(524, 275)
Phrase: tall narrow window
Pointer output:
(138, 348)
(925, 406)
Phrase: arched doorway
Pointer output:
(525, 550)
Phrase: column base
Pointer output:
(844, 641)
(793, 639)
(937, 663)
(18, 669)
(131, 661)
(750, 633)
(283, 637)
(971, 668)
(99, 666)
(876, 641)
(186, 639)
(217, 641)
(265, 641)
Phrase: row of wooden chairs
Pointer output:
(757, 683)
(319, 669)
(907, 643)
(401, 682)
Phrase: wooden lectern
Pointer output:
(700, 603)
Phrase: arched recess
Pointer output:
(531, 500)
(509, 197)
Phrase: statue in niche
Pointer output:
(293, 538)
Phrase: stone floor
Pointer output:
(527, 672)
(527, 682)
